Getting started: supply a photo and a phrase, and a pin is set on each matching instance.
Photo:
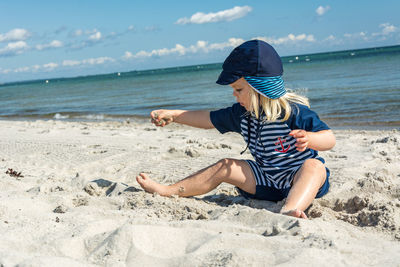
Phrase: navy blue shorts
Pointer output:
(274, 194)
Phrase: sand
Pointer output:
(78, 203)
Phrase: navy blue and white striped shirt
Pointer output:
(270, 144)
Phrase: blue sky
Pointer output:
(47, 39)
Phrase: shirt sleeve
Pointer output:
(228, 119)
(304, 118)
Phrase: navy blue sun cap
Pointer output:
(253, 58)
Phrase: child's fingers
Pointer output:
(156, 122)
(161, 117)
(161, 122)
(301, 140)
(298, 133)
(293, 133)
(156, 118)
(300, 147)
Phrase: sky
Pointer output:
(49, 39)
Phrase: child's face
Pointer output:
(241, 90)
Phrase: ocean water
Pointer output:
(349, 89)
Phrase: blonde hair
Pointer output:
(274, 108)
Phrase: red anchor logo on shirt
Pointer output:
(280, 141)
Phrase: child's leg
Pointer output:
(306, 183)
(235, 172)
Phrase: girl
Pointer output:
(281, 132)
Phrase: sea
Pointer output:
(354, 89)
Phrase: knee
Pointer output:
(314, 164)
(225, 165)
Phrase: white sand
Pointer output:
(79, 204)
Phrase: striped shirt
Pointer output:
(270, 144)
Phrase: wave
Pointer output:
(75, 117)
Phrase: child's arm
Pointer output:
(197, 118)
(320, 141)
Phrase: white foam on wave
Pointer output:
(93, 117)
(58, 116)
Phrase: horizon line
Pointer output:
(188, 66)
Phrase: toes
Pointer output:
(143, 175)
(295, 213)
(303, 215)
(140, 179)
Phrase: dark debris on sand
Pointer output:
(13, 173)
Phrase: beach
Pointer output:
(69, 197)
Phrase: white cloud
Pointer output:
(224, 15)
(52, 65)
(53, 44)
(358, 35)
(97, 61)
(22, 69)
(177, 50)
(5, 71)
(15, 35)
(205, 47)
(13, 49)
(387, 31)
(128, 55)
(322, 10)
(290, 38)
(387, 28)
(232, 42)
(90, 38)
(35, 68)
(89, 61)
(71, 63)
(330, 38)
(95, 36)
(49, 66)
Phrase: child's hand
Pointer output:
(302, 139)
(161, 117)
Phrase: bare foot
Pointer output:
(151, 186)
(295, 213)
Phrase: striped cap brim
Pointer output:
(271, 87)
